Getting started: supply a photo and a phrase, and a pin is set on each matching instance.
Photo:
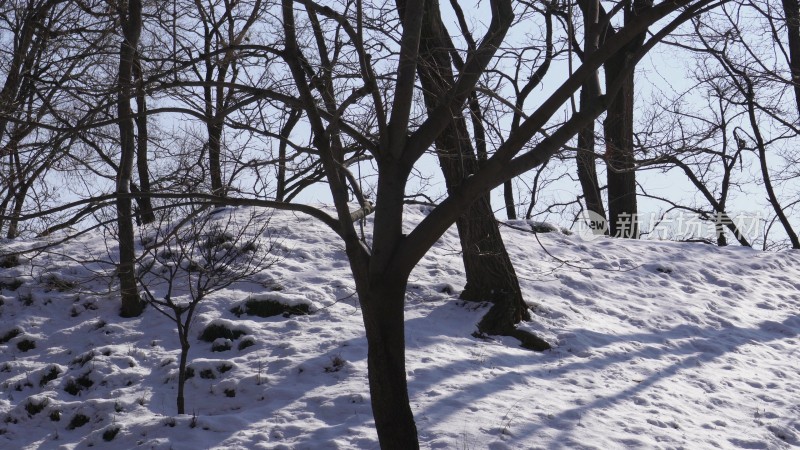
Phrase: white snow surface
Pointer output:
(657, 345)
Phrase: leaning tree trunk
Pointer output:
(490, 274)
(761, 147)
(131, 28)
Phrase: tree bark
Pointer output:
(382, 308)
(618, 126)
(131, 28)
(379, 283)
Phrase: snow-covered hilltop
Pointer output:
(656, 345)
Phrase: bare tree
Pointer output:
(585, 155)
(222, 28)
(489, 271)
(130, 14)
(704, 146)
(618, 130)
(755, 91)
(381, 270)
(528, 72)
(352, 72)
(189, 260)
(44, 54)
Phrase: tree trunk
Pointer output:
(587, 173)
(622, 209)
(131, 27)
(214, 150)
(508, 199)
(19, 200)
(21, 59)
(590, 92)
(286, 130)
(14, 185)
(490, 274)
(618, 127)
(144, 203)
(181, 399)
(791, 11)
(761, 146)
(382, 309)
(381, 288)
(29, 40)
(213, 93)
(215, 117)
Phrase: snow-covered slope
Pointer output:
(657, 345)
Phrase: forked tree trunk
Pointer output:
(213, 98)
(381, 289)
(131, 28)
(215, 116)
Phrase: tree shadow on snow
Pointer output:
(685, 346)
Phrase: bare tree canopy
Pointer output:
(118, 114)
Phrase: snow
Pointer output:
(656, 345)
